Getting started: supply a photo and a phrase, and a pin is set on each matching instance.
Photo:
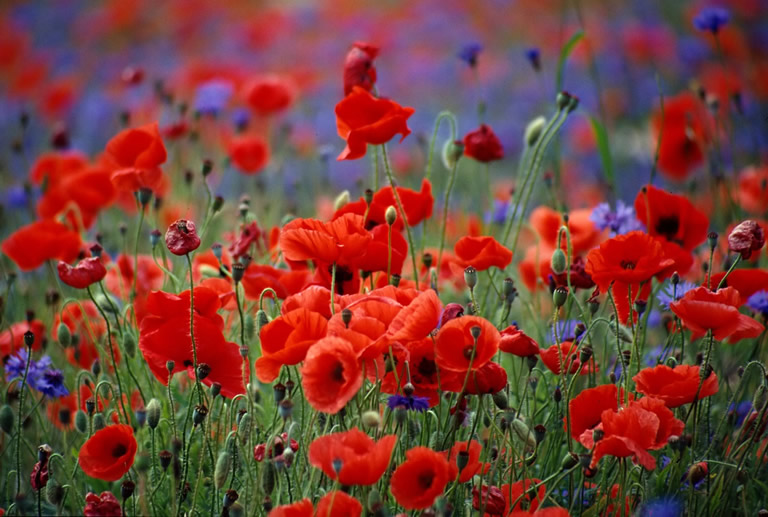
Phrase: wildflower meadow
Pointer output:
(383, 258)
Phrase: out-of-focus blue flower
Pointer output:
(670, 293)
(663, 507)
(499, 213)
(566, 330)
(16, 197)
(620, 221)
(469, 53)
(758, 302)
(533, 55)
(711, 19)
(213, 96)
(740, 411)
(41, 376)
(653, 355)
(654, 319)
(240, 118)
(410, 403)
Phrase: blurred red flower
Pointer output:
(362, 119)
(270, 94)
(135, 156)
(102, 505)
(586, 408)
(684, 127)
(61, 412)
(342, 241)
(567, 353)
(352, 457)
(422, 477)
(31, 245)
(339, 503)
(483, 145)
(301, 508)
(701, 310)
(12, 338)
(482, 253)
(416, 204)
(108, 454)
(358, 67)
(249, 153)
(473, 465)
(675, 386)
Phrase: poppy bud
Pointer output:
(746, 238)
(533, 131)
(675, 278)
(54, 492)
(199, 414)
(346, 317)
(712, 240)
(557, 395)
(261, 319)
(341, 200)
(371, 419)
(165, 459)
(475, 332)
(427, 260)
(154, 412)
(207, 167)
(63, 335)
(217, 205)
(368, 196)
(524, 433)
(98, 422)
(170, 365)
(215, 389)
(144, 195)
(244, 428)
(453, 150)
(81, 421)
(563, 100)
(500, 400)
(559, 296)
(640, 306)
(29, 338)
(470, 277)
(390, 215)
(539, 432)
(532, 361)
(181, 237)
(569, 461)
(558, 262)
(129, 344)
(374, 500)
(154, 237)
(6, 419)
(223, 466)
(278, 390)
(586, 353)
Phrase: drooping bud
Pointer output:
(129, 344)
(533, 130)
(154, 412)
(81, 421)
(558, 262)
(453, 150)
(63, 335)
(223, 467)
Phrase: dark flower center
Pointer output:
(65, 416)
(627, 264)
(668, 226)
(337, 374)
(119, 450)
(426, 367)
(425, 479)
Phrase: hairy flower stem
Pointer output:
(192, 326)
(21, 420)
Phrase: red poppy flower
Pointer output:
(672, 217)
(525, 494)
(490, 499)
(120, 279)
(135, 156)
(61, 412)
(455, 344)
(358, 67)
(331, 374)
(164, 335)
(486, 380)
(352, 457)
(88, 271)
(258, 277)
(473, 465)
(566, 352)
(314, 297)
(30, 246)
(342, 241)
(286, 339)
(109, 453)
(270, 94)
(301, 508)
(339, 503)
(249, 153)
(684, 135)
(422, 477)
(753, 189)
(515, 341)
(362, 119)
(89, 188)
(483, 145)
(377, 254)
(676, 386)
(416, 204)
(549, 511)
(701, 310)
(746, 281)
(584, 234)
(482, 253)
(102, 505)
(53, 168)
(181, 237)
(12, 338)
(250, 235)
(586, 408)
(624, 262)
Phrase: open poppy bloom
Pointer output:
(337, 502)
(516, 342)
(746, 281)
(684, 128)
(675, 386)
(377, 255)
(362, 119)
(61, 412)
(120, 279)
(12, 338)
(458, 351)
(483, 145)
(416, 204)
(249, 153)
(331, 374)
(473, 465)
(358, 67)
(625, 262)
(701, 310)
(165, 335)
(342, 241)
(87, 272)
(31, 245)
(135, 156)
(362, 461)
(109, 453)
(565, 357)
(422, 477)
(486, 380)
(529, 493)
(286, 339)
(753, 189)
(482, 253)
(586, 408)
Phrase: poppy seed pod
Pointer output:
(154, 412)
(144, 195)
(215, 389)
(390, 215)
(29, 338)
(559, 296)
(558, 262)
(533, 130)
(395, 280)
(165, 459)
(154, 237)
(470, 277)
(500, 400)
(346, 317)
(126, 489)
(238, 271)
(217, 205)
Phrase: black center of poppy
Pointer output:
(337, 374)
(426, 367)
(668, 226)
(119, 450)
(65, 416)
(343, 274)
(425, 479)
(187, 363)
(627, 264)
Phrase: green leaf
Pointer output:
(564, 53)
(601, 136)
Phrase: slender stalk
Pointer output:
(391, 179)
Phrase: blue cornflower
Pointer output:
(566, 330)
(41, 376)
(620, 221)
(669, 293)
(758, 302)
(663, 507)
(212, 97)
(51, 383)
(711, 19)
(740, 411)
(410, 403)
(533, 55)
(500, 212)
(469, 53)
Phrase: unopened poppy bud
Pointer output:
(453, 150)
(29, 338)
(126, 489)
(341, 200)
(558, 262)
(223, 467)
(374, 500)
(129, 344)
(238, 271)
(165, 459)
(533, 131)
(346, 317)
(154, 237)
(470, 277)
(96, 368)
(697, 472)
(532, 361)
(261, 319)
(98, 422)
(563, 100)
(63, 335)
(523, 432)
(675, 278)
(215, 389)
(54, 492)
(6, 419)
(390, 215)
(81, 421)
(500, 400)
(394, 280)
(199, 414)
(427, 260)
(217, 205)
(368, 196)
(371, 419)
(559, 296)
(640, 306)
(573, 104)
(207, 167)
(569, 461)
(144, 195)
(557, 395)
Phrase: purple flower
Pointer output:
(711, 19)
(758, 302)
(671, 293)
(469, 53)
(620, 221)
(41, 376)
(212, 97)
(533, 55)
(662, 507)
(410, 403)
